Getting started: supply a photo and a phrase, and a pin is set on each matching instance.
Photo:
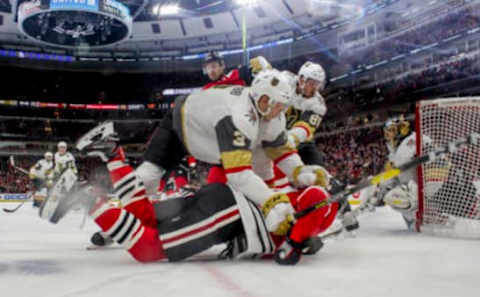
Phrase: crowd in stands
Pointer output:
(454, 78)
(350, 156)
(437, 31)
(13, 181)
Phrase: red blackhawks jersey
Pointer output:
(172, 182)
(232, 78)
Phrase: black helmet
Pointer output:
(212, 57)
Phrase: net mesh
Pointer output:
(448, 185)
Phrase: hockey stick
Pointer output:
(11, 210)
(12, 163)
(451, 147)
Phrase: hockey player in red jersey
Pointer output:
(214, 68)
(177, 229)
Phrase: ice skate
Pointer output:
(100, 142)
(100, 239)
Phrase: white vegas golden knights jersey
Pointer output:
(41, 169)
(210, 113)
(305, 115)
(405, 152)
(221, 126)
(63, 162)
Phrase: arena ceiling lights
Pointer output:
(336, 8)
(75, 23)
(247, 3)
(166, 9)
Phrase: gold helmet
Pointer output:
(403, 126)
(396, 128)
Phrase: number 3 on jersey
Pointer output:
(315, 120)
(239, 139)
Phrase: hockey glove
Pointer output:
(49, 182)
(278, 213)
(311, 175)
(259, 64)
(293, 140)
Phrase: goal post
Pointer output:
(449, 187)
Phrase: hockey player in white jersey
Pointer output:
(38, 175)
(304, 115)
(308, 105)
(63, 160)
(61, 180)
(401, 193)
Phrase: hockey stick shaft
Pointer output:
(10, 210)
(451, 147)
(19, 205)
(12, 163)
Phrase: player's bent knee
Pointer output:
(145, 246)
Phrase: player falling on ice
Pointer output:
(177, 229)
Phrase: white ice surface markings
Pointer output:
(41, 259)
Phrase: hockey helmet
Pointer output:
(403, 126)
(313, 71)
(273, 84)
(48, 156)
(62, 147)
(396, 128)
(208, 67)
(213, 57)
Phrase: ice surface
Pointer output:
(39, 259)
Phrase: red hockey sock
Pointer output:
(130, 190)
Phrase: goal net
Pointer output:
(449, 187)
